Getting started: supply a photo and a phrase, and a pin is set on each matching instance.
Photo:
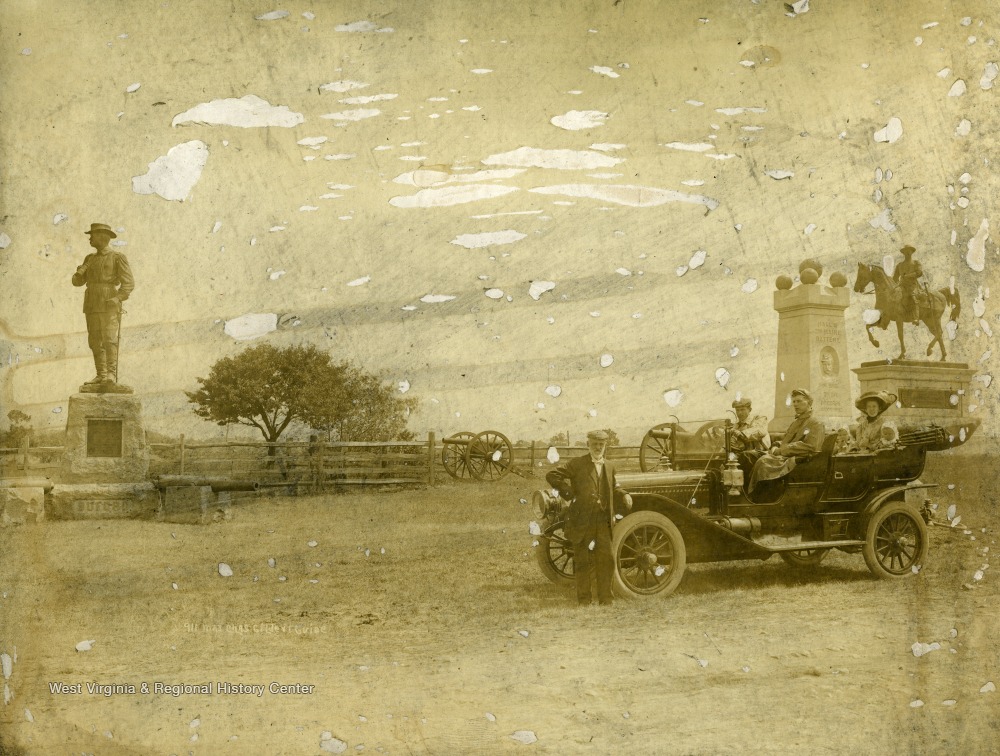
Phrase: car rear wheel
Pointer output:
(554, 555)
(649, 555)
(895, 542)
(804, 558)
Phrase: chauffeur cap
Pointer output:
(597, 435)
(803, 393)
(744, 402)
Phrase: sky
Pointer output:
(546, 217)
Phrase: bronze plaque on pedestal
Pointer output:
(927, 398)
(104, 438)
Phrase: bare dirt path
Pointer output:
(425, 626)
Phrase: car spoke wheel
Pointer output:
(554, 555)
(453, 455)
(804, 557)
(654, 453)
(649, 555)
(895, 542)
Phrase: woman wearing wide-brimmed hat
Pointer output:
(873, 431)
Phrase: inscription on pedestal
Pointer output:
(104, 437)
(928, 398)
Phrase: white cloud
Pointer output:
(365, 99)
(249, 111)
(605, 71)
(272, 16)
(579, 120)
(362, 26)
(345, 85)
(173, 176)
(488, 239)
(533, 157)
(352, 115)
(251, 326)
(428, 177)
(633, 196)
(690, 146)
(451, 195)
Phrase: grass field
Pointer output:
(425, 626)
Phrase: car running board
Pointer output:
(807, 545)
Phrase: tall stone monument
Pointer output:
(105, 466)
(812, 346)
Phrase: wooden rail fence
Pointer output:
(309, 465)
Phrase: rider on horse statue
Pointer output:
(907, 274)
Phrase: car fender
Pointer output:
(705, 540)
(896, 493)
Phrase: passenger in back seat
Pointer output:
(802, 440)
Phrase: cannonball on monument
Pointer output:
(838, 280)
(811, 263)
(783, 282)
(809, 276)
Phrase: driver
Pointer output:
(749, 439)
(803, 439)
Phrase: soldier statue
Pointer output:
(907, 274)
(108, 279)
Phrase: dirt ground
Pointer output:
(425, 626)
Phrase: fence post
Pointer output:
(182, 454)
(321, 483)
(532, 455)
(430, 458)
(25, 443)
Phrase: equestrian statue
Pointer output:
(900, 299)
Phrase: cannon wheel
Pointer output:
(453, 456)
(708, 435)
(804, 558)
(649, 555)
(654, 453)
(895, 542)
(554, 555)
(489, 456)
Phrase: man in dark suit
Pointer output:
(588, 482)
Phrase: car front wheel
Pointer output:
(554, 555)
(649, 555)
(895, 542)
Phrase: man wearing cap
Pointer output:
(108, 279)
(749, 438)
(588, 482)
(907, 274)
(802, 439)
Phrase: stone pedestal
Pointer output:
(927, 391)
(105, 440)
(812, 353)
(104, 501)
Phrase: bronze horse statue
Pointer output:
(888, 302)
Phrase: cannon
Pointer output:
(484, 456)
(216, 484)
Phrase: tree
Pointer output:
(20, 429)
(268, 388)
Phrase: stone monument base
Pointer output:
(104, 501)
(105, 440)
(105, 388)
(926, 391)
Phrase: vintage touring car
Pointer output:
(690, 504)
